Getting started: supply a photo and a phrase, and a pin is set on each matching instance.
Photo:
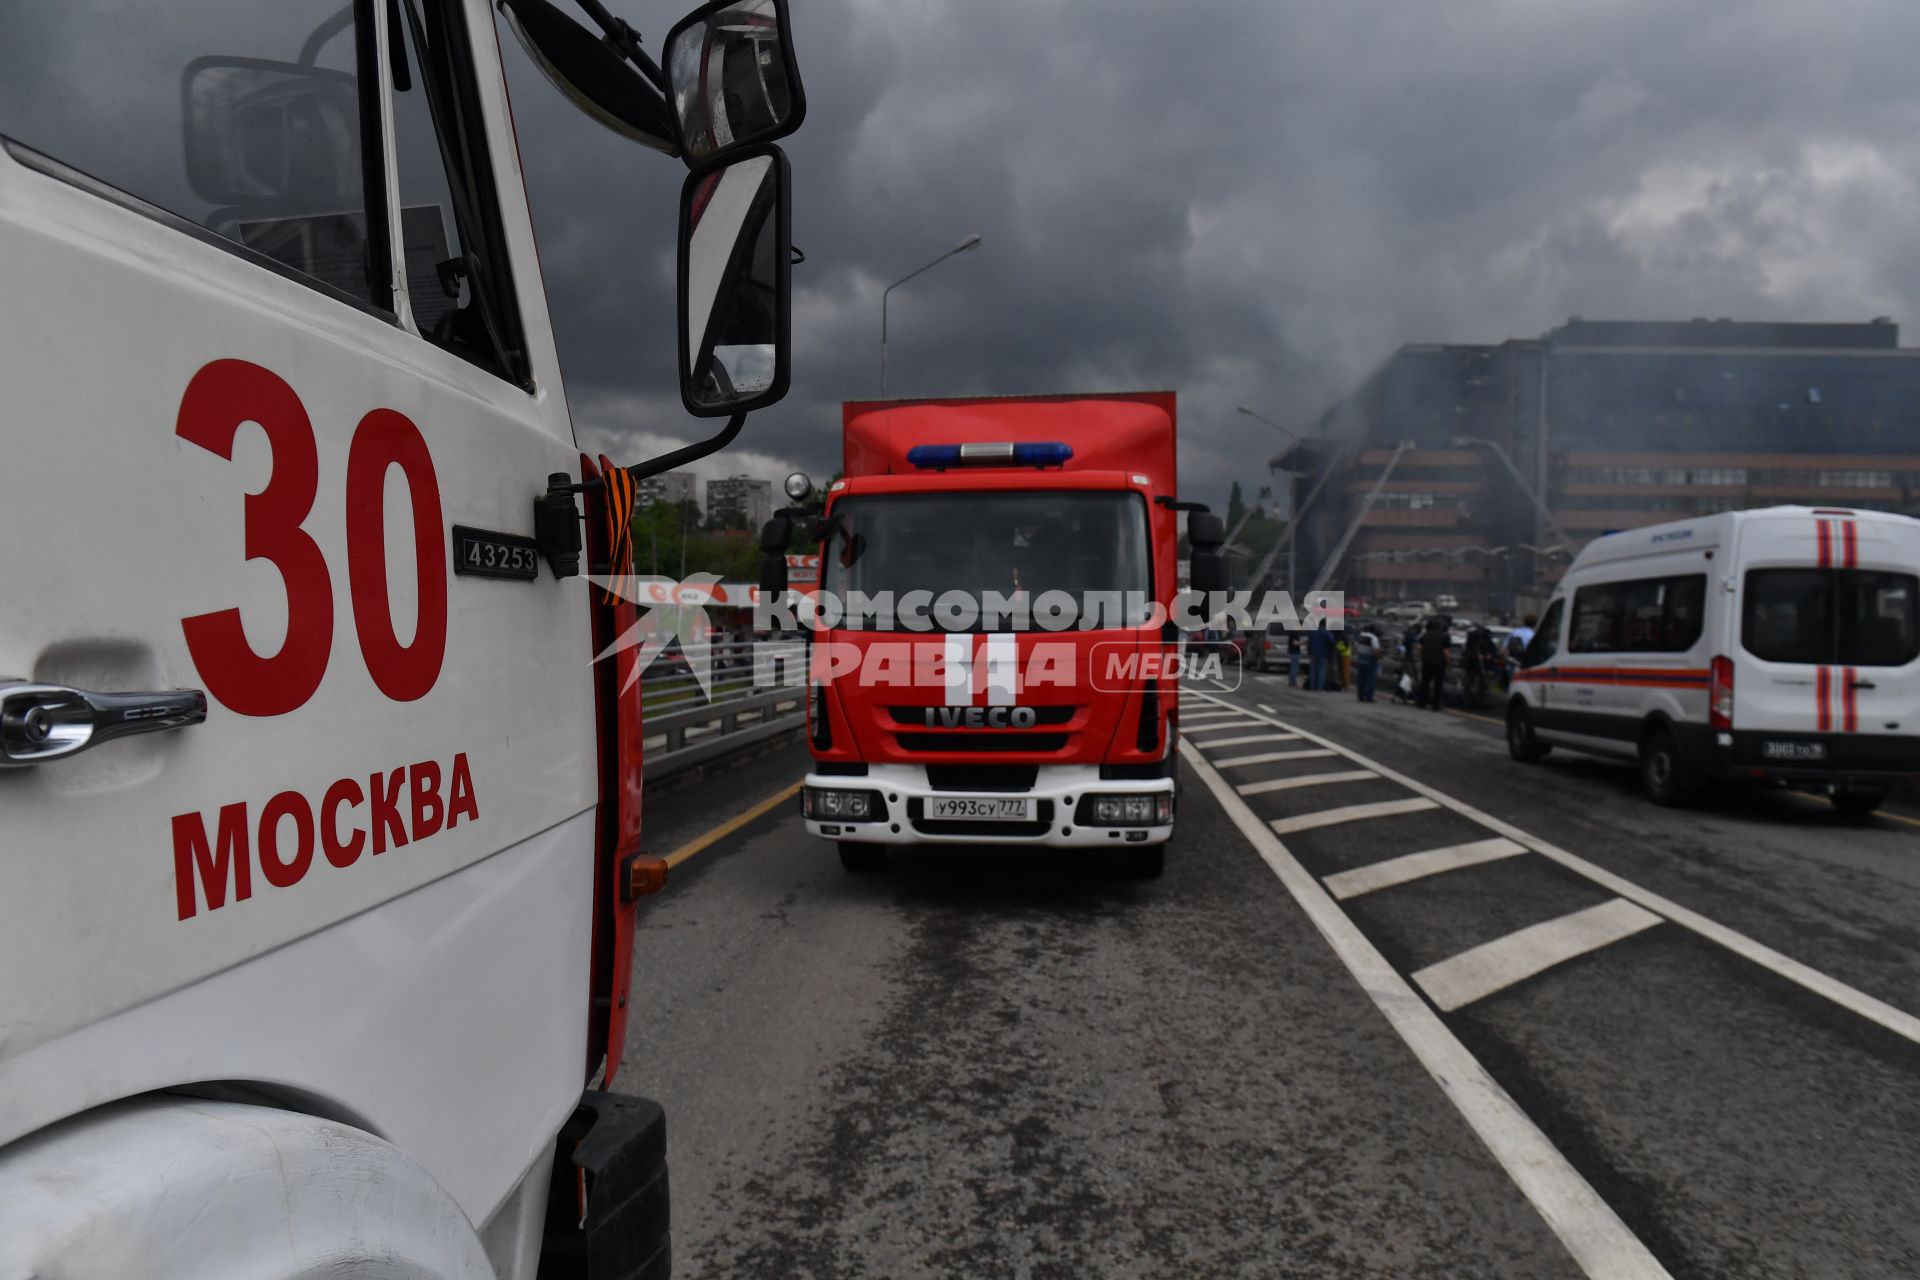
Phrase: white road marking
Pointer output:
(1246, 738)
(1305, 780)
(1268, 757)
(1238, 722)
(1348, 813)
(1218, 713)
(1592, 1232)
(1415, 866)
(1898, 1021)
(1272, 711)
(1480, 971)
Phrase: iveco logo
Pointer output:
(981, 717)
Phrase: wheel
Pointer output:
(861, 858)
(1147, 861)
(1667, 778)
(1521, 743)
(1857, 806)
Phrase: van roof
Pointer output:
(1708, 531)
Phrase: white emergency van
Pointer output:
(319, 821)
(1773, 645)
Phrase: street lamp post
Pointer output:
(971, 242)
(1293, 490)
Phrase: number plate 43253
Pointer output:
(495, 555)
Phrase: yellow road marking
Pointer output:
(731, 825)
(1471, 716)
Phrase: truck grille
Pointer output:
(1043, 819)
(994, 741)
(1003, 778)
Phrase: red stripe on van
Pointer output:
(1851, 710)
(1826, 543)
(1823, 690)
(1850, 538)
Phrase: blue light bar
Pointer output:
(1002, 453)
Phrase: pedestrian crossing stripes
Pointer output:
(1306, 780)
(1349, 813)
(1415, 866)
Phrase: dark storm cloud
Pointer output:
(1255, 202)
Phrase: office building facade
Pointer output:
(1478, 471)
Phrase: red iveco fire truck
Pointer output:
(1015, 680)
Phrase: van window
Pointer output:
(1546, 637)
(1598, 613)
(242, 120)
(1646, 615)
(1879, 618)
(459, 290)
(1832, 617)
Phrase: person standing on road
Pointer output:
(1434, 648)
(1319, 654)
(1366, 664)
(1293, 659)
(1343, 660)
(1521, 636)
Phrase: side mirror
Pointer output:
(1205, 531)
(589, 74)
(276, 139)
(1206, 569)
(773, 576)
(732, 77)
(735, 286)
(774, 537)
(775, 534)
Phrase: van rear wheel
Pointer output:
(1522, 745)
(1857, 806)
(1666, 776)
(861, 858)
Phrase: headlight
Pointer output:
(1120, 811)
(840, 806)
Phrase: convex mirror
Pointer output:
(732, 78)
(735, 285)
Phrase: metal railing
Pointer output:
(755, 694)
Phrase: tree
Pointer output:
(1236, 506)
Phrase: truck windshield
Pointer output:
(1014, 545)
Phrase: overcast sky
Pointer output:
(1251, 201)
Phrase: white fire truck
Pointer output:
(319, 821)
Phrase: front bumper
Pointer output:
(904, 790)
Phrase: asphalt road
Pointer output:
(1698, 1059)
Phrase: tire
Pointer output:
(1146, 862)
(1668, 779)
(1858, 806)
(862, 859)
(1522, 745)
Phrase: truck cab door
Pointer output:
(273, 361)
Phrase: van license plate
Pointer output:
(982, 808)
(1793, 750)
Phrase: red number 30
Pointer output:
(222, 396)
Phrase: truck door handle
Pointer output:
(41, 723)
(1862, 684)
